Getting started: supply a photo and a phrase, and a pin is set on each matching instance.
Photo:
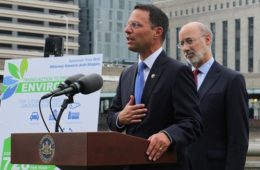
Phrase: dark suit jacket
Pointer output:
(172, 101)
(224, 109)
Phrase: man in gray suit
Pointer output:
(167, 113)
(223, 104)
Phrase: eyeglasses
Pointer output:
(133, 25)
(188, 41)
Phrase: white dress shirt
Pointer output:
(203, 71)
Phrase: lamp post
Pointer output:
(67, 32)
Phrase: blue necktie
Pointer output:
(139, 82)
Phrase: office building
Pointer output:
(25, 24)
(235, 25)
(102, 29)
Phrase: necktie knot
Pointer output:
(196, 72)
(141, 67)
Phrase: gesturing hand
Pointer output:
(132, 113)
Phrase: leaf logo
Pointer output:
(10, 83)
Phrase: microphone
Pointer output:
(64, 85)
(84, 85)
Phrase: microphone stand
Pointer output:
(63, 107)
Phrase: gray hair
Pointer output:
(205, 30)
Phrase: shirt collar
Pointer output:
(206, 66)
(151, 58)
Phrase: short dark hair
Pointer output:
(157, 17)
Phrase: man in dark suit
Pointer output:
(168, 113)
(223, 103)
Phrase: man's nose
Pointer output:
(127, 29)
(185, 47)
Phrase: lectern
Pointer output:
(78, 151)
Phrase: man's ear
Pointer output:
(208, 39)
(158, 32)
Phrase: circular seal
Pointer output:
(46, 148)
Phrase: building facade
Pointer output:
(235, 25)
(24, 26)
(102, 29)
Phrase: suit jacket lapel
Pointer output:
(153, 76)
(210, 79)
(131, 81)
(133, 73)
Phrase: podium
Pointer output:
(78, 151)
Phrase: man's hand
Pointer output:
(159, 143)
(131, 113)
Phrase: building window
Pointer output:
(108, 51)
(246, 2)
(227, 4)
(221, 6)
(187, 11)
(110, 26)
(213, 44)
(99, 37)
(192, 10)
(198, 10)
(90, 48)
(33, 9)
(176, 13)
(90, 36)
(209, 7)
(181, 13)
(240, 2)
(87, 25)
(5, 6)
(87, 14)
(203, 9)
(111, 3)
(225, 42)
(178, 51)
(4, 32)
(5, 45)
(110, 15)
(129, 5)
(250, 44)
(234, 4)
(107, 37)
(216, 6)
(237, 44)
(6, 19)
(121, 4)
(98, 24)
(98, 13)
(253, 1)
(119, 15)
(119, 27)
(118, 39)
